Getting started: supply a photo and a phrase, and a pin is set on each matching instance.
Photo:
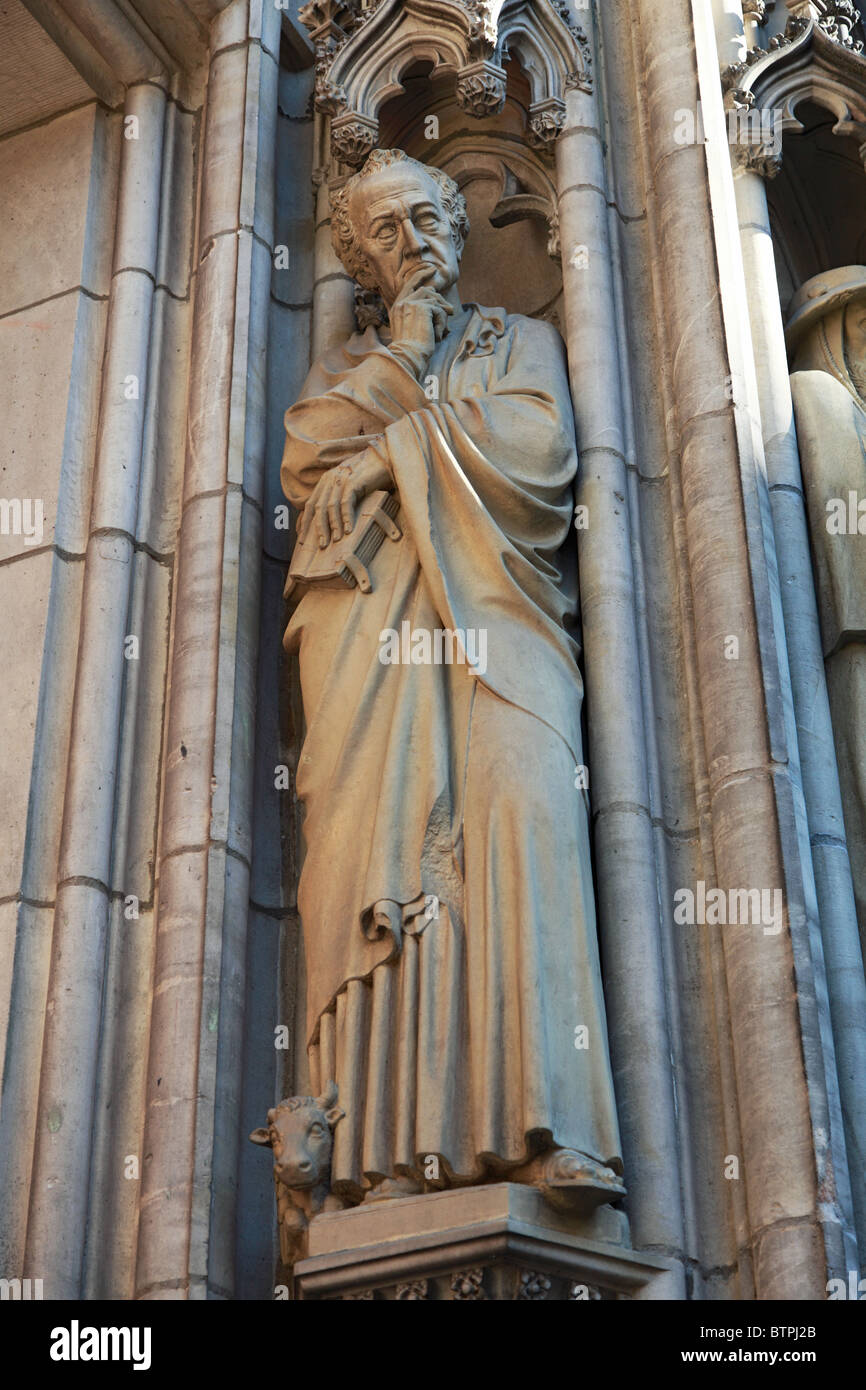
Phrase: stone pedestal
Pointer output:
(499, 1242)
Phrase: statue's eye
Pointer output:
(316, 1131)
(386, 235)
(428, 222)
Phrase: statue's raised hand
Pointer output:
(419, 318)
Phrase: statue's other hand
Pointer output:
(331, 506)
(419, 317)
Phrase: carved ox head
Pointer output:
(299, 1132)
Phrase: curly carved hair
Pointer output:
(343, 235)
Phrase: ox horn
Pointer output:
(328, 1099)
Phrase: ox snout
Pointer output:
(297, 1171)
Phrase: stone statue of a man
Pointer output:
(826, 337)
(453, 982)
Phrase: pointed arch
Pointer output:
(363, 57)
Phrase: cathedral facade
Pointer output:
(597, 868)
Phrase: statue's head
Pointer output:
(394, 216)
(826, 329)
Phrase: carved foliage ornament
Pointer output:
(483, 23)
(838, 21)
(733, 74)
(760, 98)
(336, 18)
(836, 18)
(353, 138)
(468, 1285)
(521, 1285)
(759, 159)
(581, 79)
(554, 239)
(533, 1286)
(546, 120)
(484, 36)
(331, 24)
(755, 148)
(481, 89)
(413, 1291)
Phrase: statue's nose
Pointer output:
(411, 240)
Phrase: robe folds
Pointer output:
(453, 980)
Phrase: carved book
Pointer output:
(343, 564)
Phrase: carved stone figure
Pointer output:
(827, 341)
(299, 1132)
(453, 981)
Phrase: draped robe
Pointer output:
(453, 980)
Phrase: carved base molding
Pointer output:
(499, 1242)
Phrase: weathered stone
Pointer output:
(167, 276)
(520, 1249)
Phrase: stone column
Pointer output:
(116, 1142)
(836, 905)
(734, 37)
(186, 1234)
(629, 925)
(62, 1158)
(333, 290)
(793, 1163)
(754, 15)
(51, 430)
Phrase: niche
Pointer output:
(511, 258)
(817, 202)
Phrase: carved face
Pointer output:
(855, 344)
(402, 225)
